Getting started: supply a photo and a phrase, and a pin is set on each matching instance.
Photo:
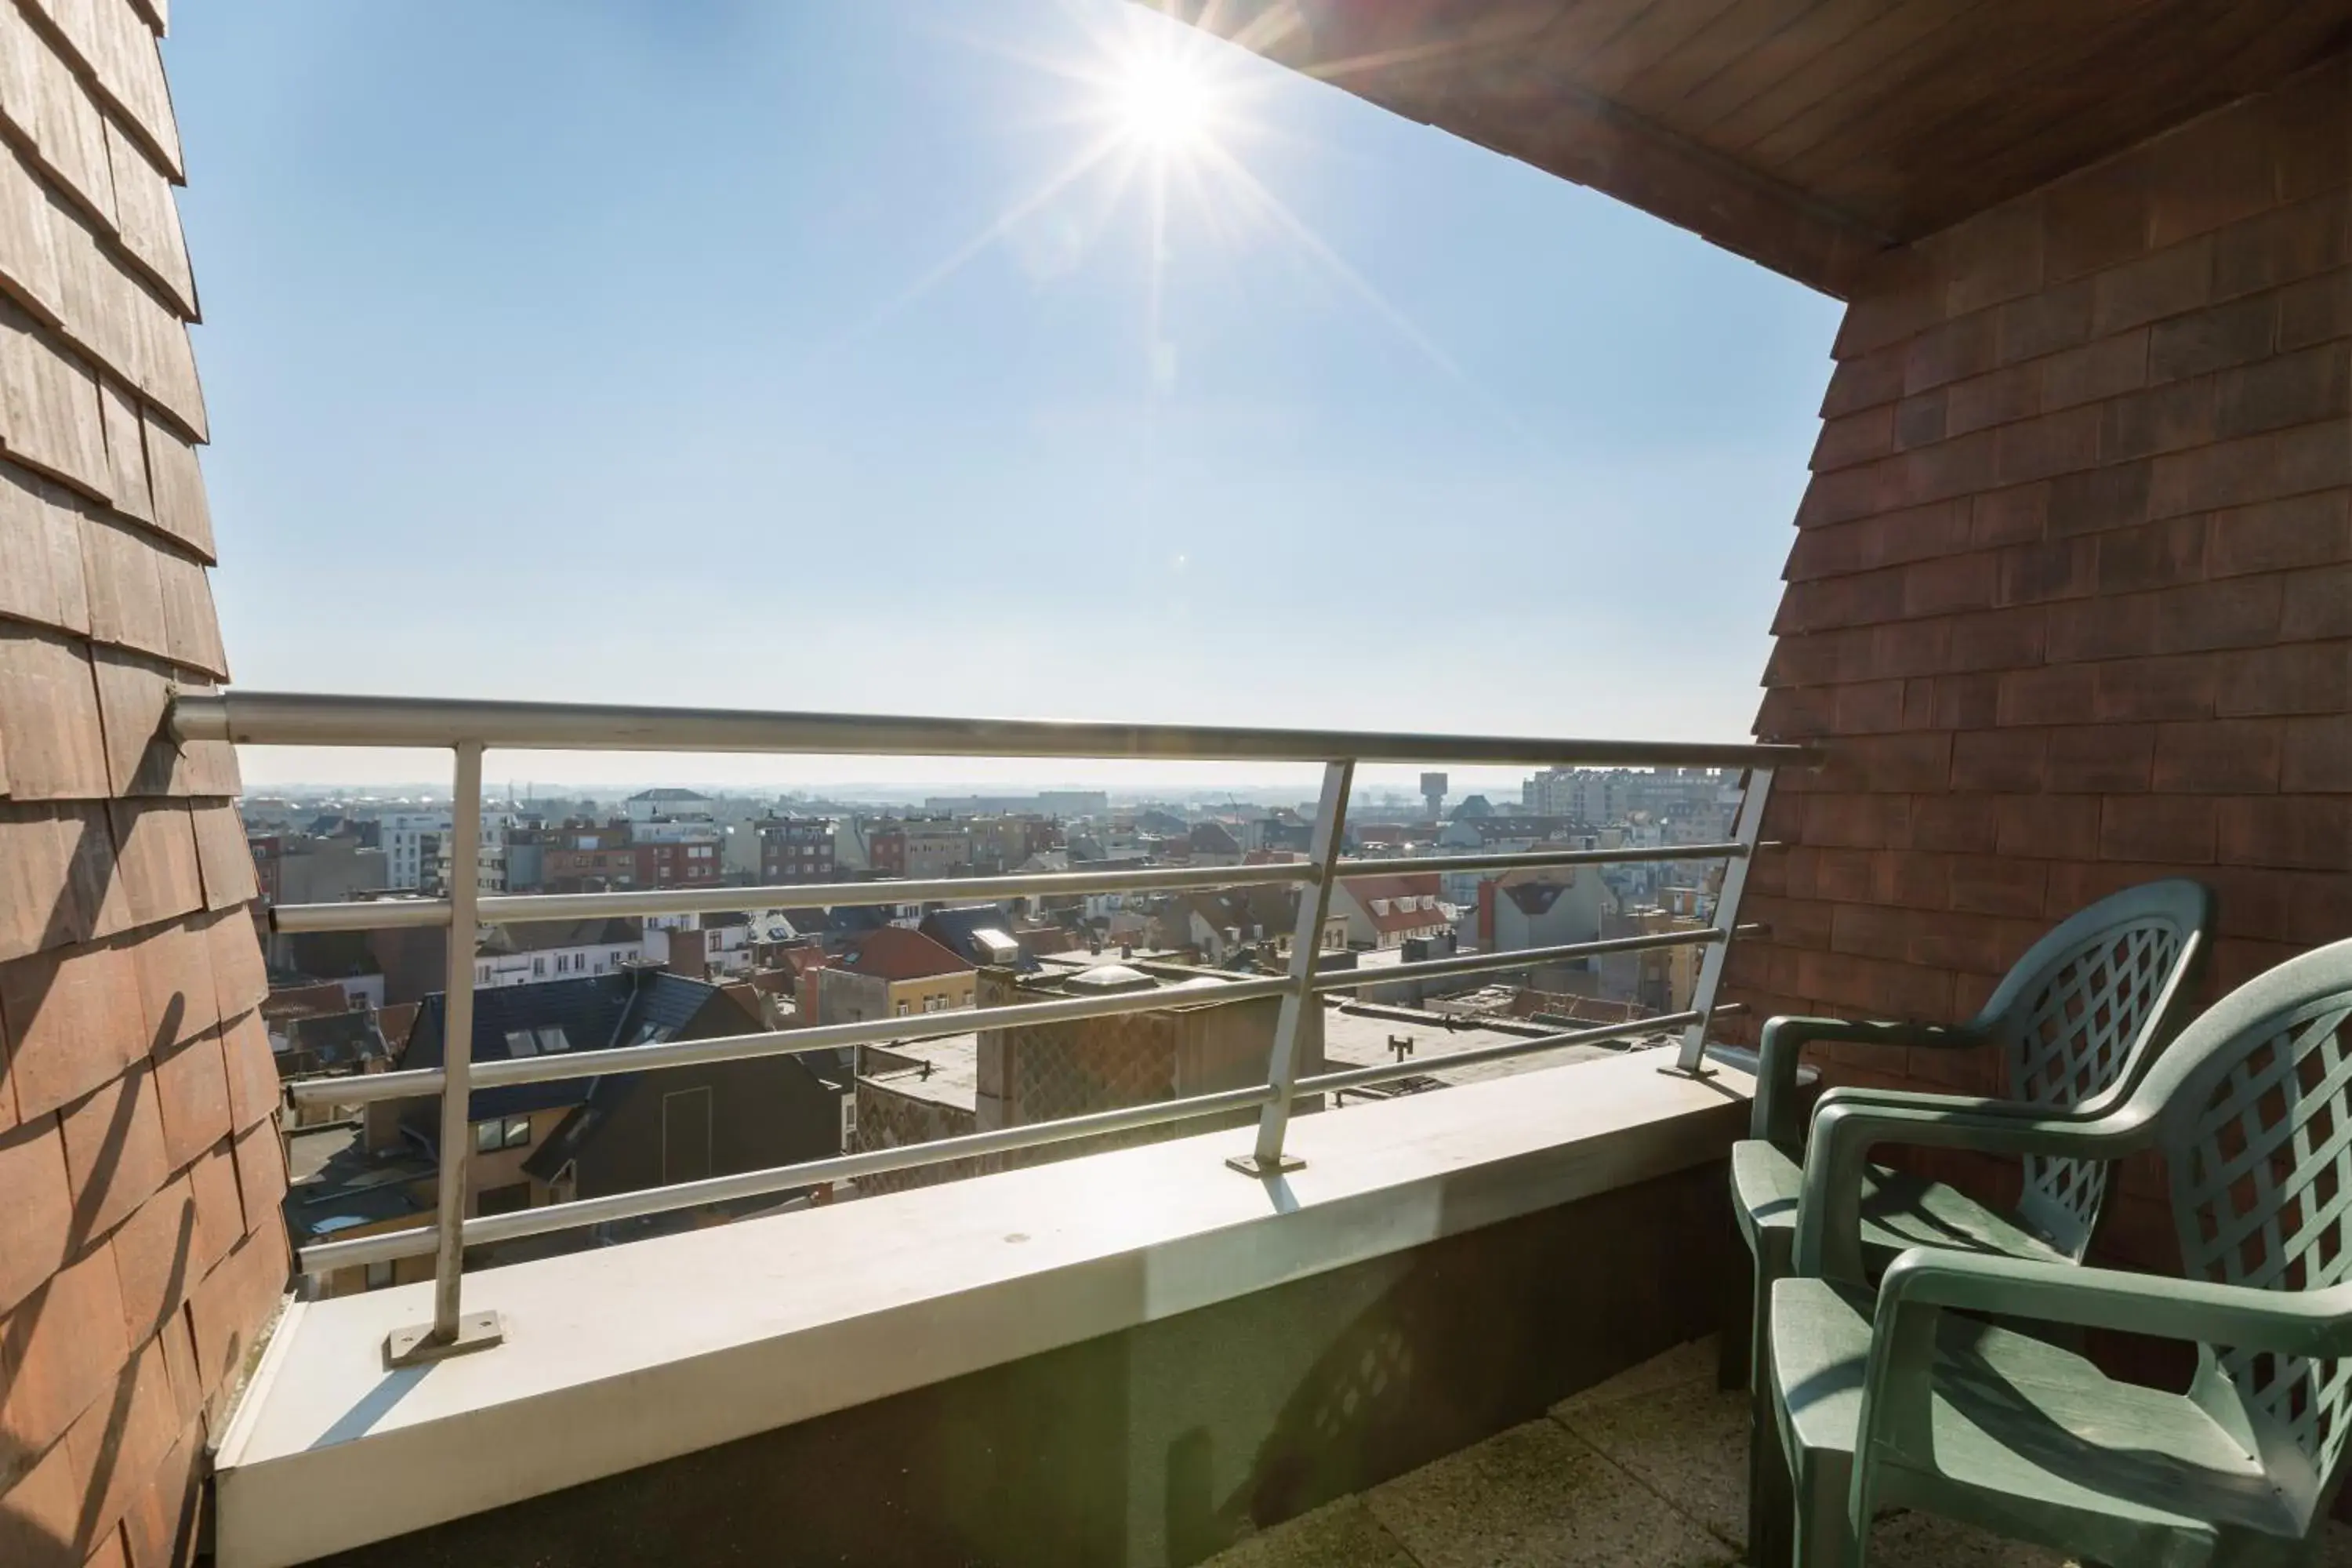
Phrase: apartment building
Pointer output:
(798, 849)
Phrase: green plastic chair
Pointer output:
(2077, 1021)
(1887, 1398)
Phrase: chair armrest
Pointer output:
(1829, 1207)
(2315, 1323)
(1774, 1115)
(1898, 1387)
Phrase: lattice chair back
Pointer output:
(2257, 1131)
(2081, 1018)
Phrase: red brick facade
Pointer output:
(142, 1250)
(2071, 597)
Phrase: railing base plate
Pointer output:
(1698, 1073)
(416, 1346)
(1251, 1165)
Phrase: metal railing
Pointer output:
(468, 728)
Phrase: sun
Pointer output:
(1164, 104)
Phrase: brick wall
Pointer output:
(142, 1250)
(2072, 588)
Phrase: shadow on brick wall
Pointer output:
(56, 1503)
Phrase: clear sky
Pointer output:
(976, 356)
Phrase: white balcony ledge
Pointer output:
(620, 1358)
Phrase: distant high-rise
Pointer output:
(1433, 790)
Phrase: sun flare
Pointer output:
(1165, 104)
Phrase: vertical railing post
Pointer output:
(1306, 942)
(1747, 831)
(451, 1331)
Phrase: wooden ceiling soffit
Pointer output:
(1473, 76)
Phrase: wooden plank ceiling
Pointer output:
(1807, 134)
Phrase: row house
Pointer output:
(1387, 911)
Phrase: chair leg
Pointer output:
(1823, 1529)
(1769, 1499)
(1735, 1365)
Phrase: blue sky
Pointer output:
(613, 352)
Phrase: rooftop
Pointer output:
(629, 1008)
(894, 952)
(943, 1069)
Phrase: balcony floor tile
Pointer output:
(1536, 1494)
(1342, 1534)
(1682, 1443)
(1647, 1470)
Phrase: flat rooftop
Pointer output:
(944, 1070)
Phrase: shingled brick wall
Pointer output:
(142, 1250)
(2071, 597)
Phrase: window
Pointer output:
(537, 967)
(492, 1136)
(562, 963)
(520, 1043)
(902, 1009)
(935, 1003)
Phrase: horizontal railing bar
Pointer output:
(496, 909)
(365, 1088)
(418, 1241)
(1517, 860)
(409, 1084)
(301, 719)
(500, 908)
(360, 914)
(1504, 960)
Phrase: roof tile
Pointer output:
(40, 97)
(178, 487)
(35, 1207)
(62, 1346)
(51, 402)
(42, 576)
(192, 1093)
(48, 705)
(73, 1022)
(156, 859)
(150, 220)
(126, 590)
(115, 1150)
(239, 980)
(177, 998)
(126, 451)
(252, 1071)
(222, 855)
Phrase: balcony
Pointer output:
(1374, 1277)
